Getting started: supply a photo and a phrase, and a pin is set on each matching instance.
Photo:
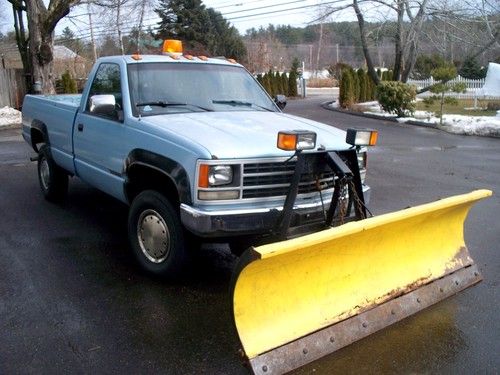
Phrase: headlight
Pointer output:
(220, 175)
(296, 140)
(214, 175)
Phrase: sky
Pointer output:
(243, 14)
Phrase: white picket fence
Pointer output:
(472, 91)
(472, 84)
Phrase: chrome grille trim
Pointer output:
(250, 168)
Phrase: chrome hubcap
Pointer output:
(153, 236)
(45, 173)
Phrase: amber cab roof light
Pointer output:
(172, 47)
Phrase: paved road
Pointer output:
(72, 299)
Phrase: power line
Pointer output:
(284, 10)
(264, 7)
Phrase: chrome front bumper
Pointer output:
(251, 221)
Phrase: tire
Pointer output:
(238, 246)
(156, 235)
(53, 179)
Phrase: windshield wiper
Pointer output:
(240, 103)
(163, 104)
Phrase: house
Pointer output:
(64, 59)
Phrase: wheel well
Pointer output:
(142, 177)
(37, 136)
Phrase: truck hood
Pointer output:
(243, 134)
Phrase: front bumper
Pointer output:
(252, 221)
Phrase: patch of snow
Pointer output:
(457, 124)
(9, 116)
(472, 125)
(334, 105)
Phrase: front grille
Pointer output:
(272, 179)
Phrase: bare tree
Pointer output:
(411, 19)
(39, 44)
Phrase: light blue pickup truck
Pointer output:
(199, 151)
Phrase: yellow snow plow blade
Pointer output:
(297, 300)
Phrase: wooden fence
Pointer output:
(12, 88)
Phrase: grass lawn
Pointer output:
(458, 109)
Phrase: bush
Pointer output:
(292, 84)
(68, 83)
(493, 106)
(425, 64)
(397, 97)
(284, 84)
(346, 90)
(362, 97)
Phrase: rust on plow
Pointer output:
(328, 340)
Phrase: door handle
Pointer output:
(80, 127)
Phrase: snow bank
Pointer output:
(460, 124)
(457, 124)
(9, 116)
(472, 125)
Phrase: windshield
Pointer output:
(161, 88)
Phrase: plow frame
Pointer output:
(344, 175)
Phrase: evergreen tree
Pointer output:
(202, 30)
(356, 85)
(295, 66)
(284, 84)
(346, 89)
(279, 84)
(362, 97)
(471, 69)
(292, 83)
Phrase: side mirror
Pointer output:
(280, 101)
(104, 105)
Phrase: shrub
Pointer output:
(362, 97)
(493, 106)
(284, 84)
(68, 83)
(396, 97)
(292, 84)
(346, 89)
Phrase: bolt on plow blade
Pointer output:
(297, 300)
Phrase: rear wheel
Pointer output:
(156, 235)
(53, 180)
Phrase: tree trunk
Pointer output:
(369, 62)
(22, 44)
(398, 42)
(41, 24)
(41, 46)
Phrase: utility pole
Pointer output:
(311, 57)
(92, 40)
(337, 47)
(319, 45)
(118, 14)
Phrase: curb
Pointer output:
(326, 105)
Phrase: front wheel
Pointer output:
(156, 235)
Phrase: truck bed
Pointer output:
(57, 113)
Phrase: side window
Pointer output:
(107, 82)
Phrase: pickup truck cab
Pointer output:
(190, 143)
